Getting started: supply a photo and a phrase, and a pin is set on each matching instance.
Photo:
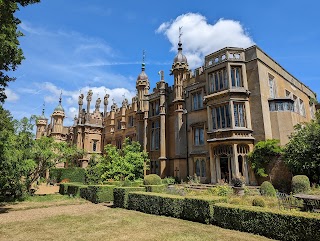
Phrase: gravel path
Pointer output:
(39, 213)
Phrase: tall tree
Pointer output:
(118, 164)
(302, 152)
(11, 54)
(15, 161)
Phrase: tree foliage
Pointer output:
(263, 153)
(11, 54)
(302, 152)
(22, 159)
(117, 164)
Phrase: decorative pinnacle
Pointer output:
(161, 73)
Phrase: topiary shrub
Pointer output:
(259, 202)
(267, 189)
(300, 184)
(152, 179)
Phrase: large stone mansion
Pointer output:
(205, 124)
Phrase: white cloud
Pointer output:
(11, 96)
(201, 38)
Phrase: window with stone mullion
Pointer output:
(239, 115)
(155, 135)
(236, 79)
(221, 117)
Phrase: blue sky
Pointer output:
(75, 45)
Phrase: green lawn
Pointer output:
(114, 224)
(40, 202)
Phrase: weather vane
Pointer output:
(180, 34)
(143, 56)
(113, 100)
(124, 96)
(60, 97)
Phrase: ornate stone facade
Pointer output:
(205, 124)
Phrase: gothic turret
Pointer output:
(180, 71)
(142, 86)
(57, 120)
(42, 123)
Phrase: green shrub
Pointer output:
(74, 174)
(259, 202)
(275, 224)
(300, 184)
(120, 195)
(152, 179)
(74, 189)
(267, 189)
(221, 190)
(168, 180)
(156, 188)
(98, 193)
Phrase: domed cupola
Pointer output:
(59, 107)
(180, 60)
(142, 79)
(180, 57)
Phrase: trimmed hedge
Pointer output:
(98, 193)
(120, 195)
(74, 174)
(280, 225)
(199, 209)
(156, 188)
(74, 189)
(158, 204)
(63, 188)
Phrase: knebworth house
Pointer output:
(205, 124)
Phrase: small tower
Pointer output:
(57, 118)
(42, 123)
(142, 86)
(180, 71)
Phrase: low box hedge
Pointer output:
(200, 209)
(120, 195)
(156, 188)
(280, 225)
(73, 189)
(63, 188)
(197, 209)
(98, 193)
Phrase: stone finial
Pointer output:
(125, 103)
(161, 73)
(98, 102)
(80, 100)
(89, 96)
(105, 100)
